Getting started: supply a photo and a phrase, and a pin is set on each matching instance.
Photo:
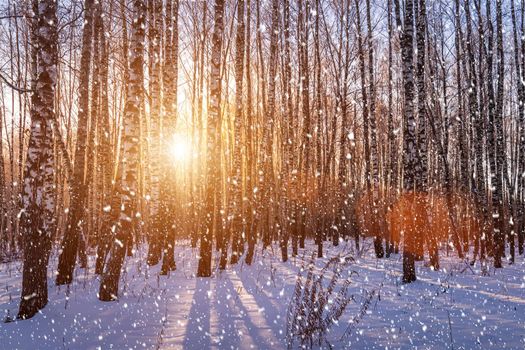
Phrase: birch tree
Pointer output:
(213, 137)
(38, 200)
(237, 181)
(75, 224)
(409, 130)
(128, 180)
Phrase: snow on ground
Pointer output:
(245, 307)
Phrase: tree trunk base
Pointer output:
(378, 247)
(409, 269)
(34, 283)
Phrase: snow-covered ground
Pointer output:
(246, 306)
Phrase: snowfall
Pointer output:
(458, 307)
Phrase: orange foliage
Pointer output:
(420, 215)
(370, 222)
(408, 216)
(429, 215)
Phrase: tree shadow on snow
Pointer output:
(198, 327)
(235, 312)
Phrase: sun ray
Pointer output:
(179, 148)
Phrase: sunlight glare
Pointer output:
(179, 148)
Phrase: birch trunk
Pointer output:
(169, 123)
(237, 202)
(38, 198)
(128, 182)
(213, 135)
(155, 237)
(75, 225)
(409, 131)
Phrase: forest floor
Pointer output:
(458, 307)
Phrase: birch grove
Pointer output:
(241, 125)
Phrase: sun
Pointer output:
(179, 148)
